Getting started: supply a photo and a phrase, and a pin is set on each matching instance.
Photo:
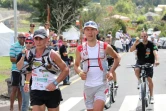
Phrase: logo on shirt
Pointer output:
(147, 53)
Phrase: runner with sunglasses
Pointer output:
(45, 90)
(92, 55)
(21, 62)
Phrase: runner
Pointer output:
(92, 54)
(45, 91)
(111, 60)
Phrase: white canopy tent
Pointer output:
(6, 39)
(71, 34)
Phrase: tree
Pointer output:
(125, 6)
(63, 12)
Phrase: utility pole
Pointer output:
(15, 20)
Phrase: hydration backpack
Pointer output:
(102, 60)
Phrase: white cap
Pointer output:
(91, 24)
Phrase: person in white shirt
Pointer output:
(94, 67)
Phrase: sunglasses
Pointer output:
(32, 26)
(22, 37)
(91, 23)
(28, 42)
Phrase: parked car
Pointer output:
(162, 43)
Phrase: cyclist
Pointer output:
(146, 53)
(92, 53)
(110, 60)
(44, 89)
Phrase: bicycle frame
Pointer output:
(144, 89)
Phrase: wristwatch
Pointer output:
(55, 83)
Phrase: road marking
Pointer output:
(68, 104)
(159, 104)
(129, 103)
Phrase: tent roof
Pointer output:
(71, 33)
(4, 28)
(121, 17)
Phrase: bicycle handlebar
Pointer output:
(147, 65)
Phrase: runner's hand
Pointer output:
(51, 87)
(109, 76)
(83, 75)
(26, 88)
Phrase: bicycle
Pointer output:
(144, 88)
(111, 93)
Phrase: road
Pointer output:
(127, 96)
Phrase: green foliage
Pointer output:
(119, 24)
(63, 12)
(141, 19)
(125, 6)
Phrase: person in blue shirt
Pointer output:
(15, 49)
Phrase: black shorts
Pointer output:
(49, 98)
(149, 71)
(15, 78)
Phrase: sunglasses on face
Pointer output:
(32, 26)
(28, 42)
(22, 37)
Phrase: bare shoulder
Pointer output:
(54, 55)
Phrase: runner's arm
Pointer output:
(61, 64)
(113, 54)
(20, 61)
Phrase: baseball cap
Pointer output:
(40, 33)
(29, 38)
(91, 24)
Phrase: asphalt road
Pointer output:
(127, 96)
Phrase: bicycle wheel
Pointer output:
(108, 100)
(143, 96)
(113, 94)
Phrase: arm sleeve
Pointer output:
(79, 48)
(114, 48)
(12, 51)
(154, 47)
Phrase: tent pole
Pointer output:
(80, 21)
(15, 20)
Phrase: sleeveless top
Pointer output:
(41, 77)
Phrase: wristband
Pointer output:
(55, 83)
(26, 82)
(80, 73)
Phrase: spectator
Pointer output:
(60, 41)
(32, 27)
(54, 42)
(64, 55)
(21, 63)
(15, 49)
